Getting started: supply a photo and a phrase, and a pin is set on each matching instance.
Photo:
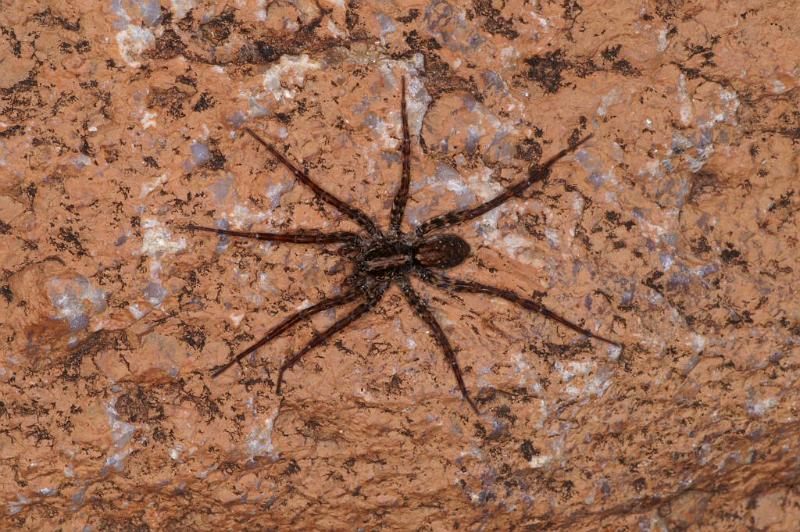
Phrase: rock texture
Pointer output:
(675, 231)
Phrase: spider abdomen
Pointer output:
(441, 251)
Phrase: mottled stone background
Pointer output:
(675, 230)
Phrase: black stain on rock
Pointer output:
(546, 69)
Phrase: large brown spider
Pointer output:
(381, 259)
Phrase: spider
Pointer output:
(383, 258)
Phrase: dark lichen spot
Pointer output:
(351, 17)
(567, 488)
(134, 406)
(217, 160)
(162, 436)
(194, 336)
(89, 347)
(218, 29)
(668, 9)
(610, 53)
(7, 293)
(412, 15)
(186, 80)
(691, 73)
(395, 383)
(292, 468)
(86, 148)
(25, 85)
(493, 22)
(528, 450)
(585, 67)
(48, 18)
(418, 44)
(170, 99)
(793, 328)
(730, 254)
(504, 411)
(737, 318)
(40, 434)
(546, 69)
(783, 202)
(574, 138)
(700, 245)
(204, 102)
(11, 131)
(650, 281)
(167, 46)
(16, 45)
(529, 150)
(624, 67)
(70, 241)
(257, 53)
(65, 98)
(83, 46)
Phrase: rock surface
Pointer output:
(674, 230)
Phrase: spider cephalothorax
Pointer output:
(382, 259)
(395, 257)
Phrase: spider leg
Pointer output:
(310, 236)
(536, 173)
(273, 333)
(422, 310)
(442, 281)
(401, 197)
(340, 324)
(354, 213)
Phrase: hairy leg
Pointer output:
(273, 333)
(340, 324)
(309, 236)
(458, 216)
(457, 285)
(354, 213)
(426, 315)
(401, 197)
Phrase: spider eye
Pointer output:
(441, 251)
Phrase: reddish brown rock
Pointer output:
(674, 231)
